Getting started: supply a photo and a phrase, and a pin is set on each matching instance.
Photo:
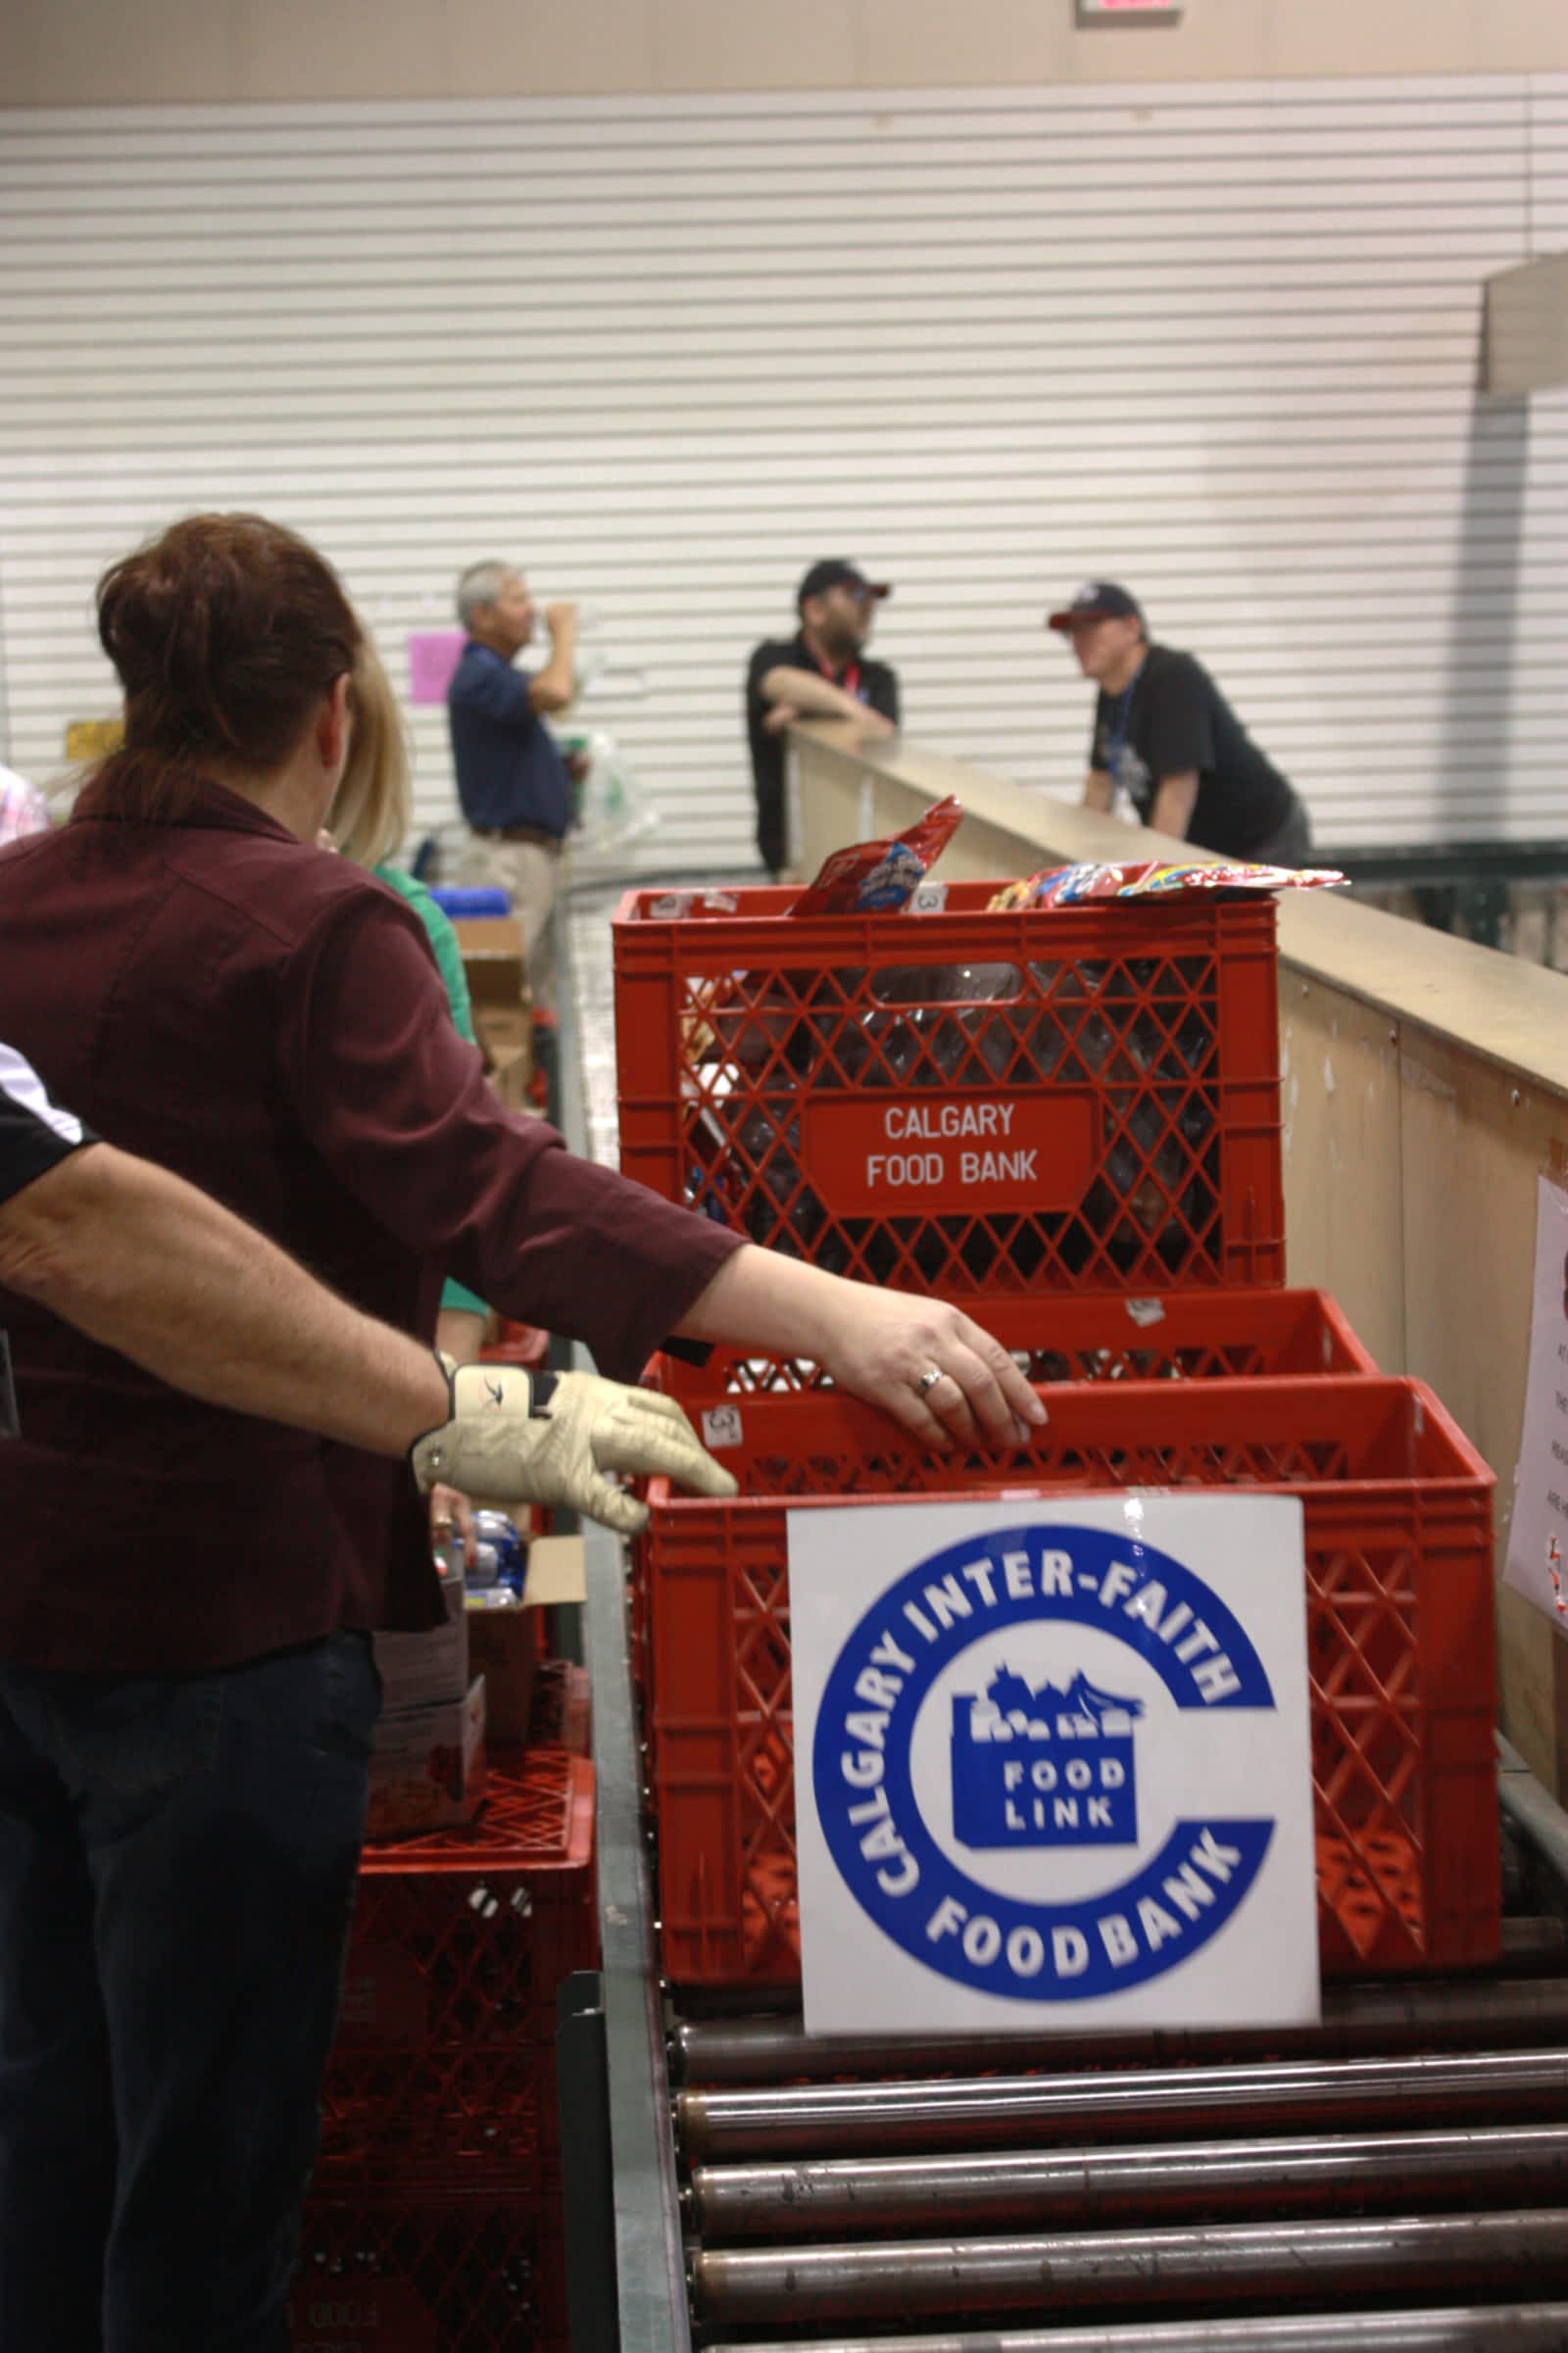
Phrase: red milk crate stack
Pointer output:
(1066, 1120)
(964, 1103)
(435, 2213)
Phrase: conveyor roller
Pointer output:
(1484, 2014)
(1000, 2111)
(1526, 2164)
(1293, 2263)
(1451, 2328)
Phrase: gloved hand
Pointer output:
(555, 1437)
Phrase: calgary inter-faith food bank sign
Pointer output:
(1053, 1764)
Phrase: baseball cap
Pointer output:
(833, 572)
(1096, 601)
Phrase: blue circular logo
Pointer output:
(1042, 1769)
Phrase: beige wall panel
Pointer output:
(1343, 1210)
(77, 52)
(828, 809)
(1475, 1143)
(353, 49)
(715, 45)
(1415, 37)
(88, 53)
(493, 48)
(929, 43)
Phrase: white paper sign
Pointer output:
(1538, 1534)
(1053, 1764)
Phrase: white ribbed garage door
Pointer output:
(1220, 342)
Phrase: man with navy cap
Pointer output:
(1165, 735)
(822, 672)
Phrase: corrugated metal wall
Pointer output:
(1221, 342)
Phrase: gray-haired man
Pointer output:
(512, 779)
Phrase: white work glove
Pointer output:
(561, 1438)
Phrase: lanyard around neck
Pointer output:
(1118, 718)
(849, 678)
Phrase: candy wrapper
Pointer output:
(1073, 886)
(881, 877)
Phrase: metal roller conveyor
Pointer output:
(1055, 2188)
(1448, 2329)
(1045, 2274)
(1004, 2111)
(1487, 2015)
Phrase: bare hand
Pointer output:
(882, 1344)
(867, 722)
(562, 616)
(778, 716)
(451, 1511)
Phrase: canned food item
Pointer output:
(503, 1559)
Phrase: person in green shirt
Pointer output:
(369, 819)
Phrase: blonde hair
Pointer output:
(373, 805)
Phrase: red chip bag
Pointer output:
(881, 877)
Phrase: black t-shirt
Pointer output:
(872, 682)
(1173, 718)
(35, 1133)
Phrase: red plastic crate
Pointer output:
(445, 2050)
(1094, 1335)
(1082, 1098)
(431, 2270)
(1083, 1335)
(1399, 1631)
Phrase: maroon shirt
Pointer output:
(268, 1021)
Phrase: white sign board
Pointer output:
(1053, 1764)
(1538, 1534)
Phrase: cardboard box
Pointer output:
(427, 1767)
(503, 1029)
(426, 1670)
(511, 1078)
(558, 1572)
(503, 1644)
(504, 1648)
(491, 947)
(506, 1040)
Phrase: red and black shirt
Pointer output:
(269, 1022)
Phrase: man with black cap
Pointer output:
(821, 673)
(1165, 734)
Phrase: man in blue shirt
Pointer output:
(512, 779)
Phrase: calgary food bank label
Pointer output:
(1048, 1763)
(1032, 1149)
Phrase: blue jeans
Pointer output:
(178, 1857)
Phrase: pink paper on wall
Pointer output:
(433, 659)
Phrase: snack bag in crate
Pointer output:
(882, 877)
(1078, 885)
(773, 1031)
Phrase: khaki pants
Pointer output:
(531, 873)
